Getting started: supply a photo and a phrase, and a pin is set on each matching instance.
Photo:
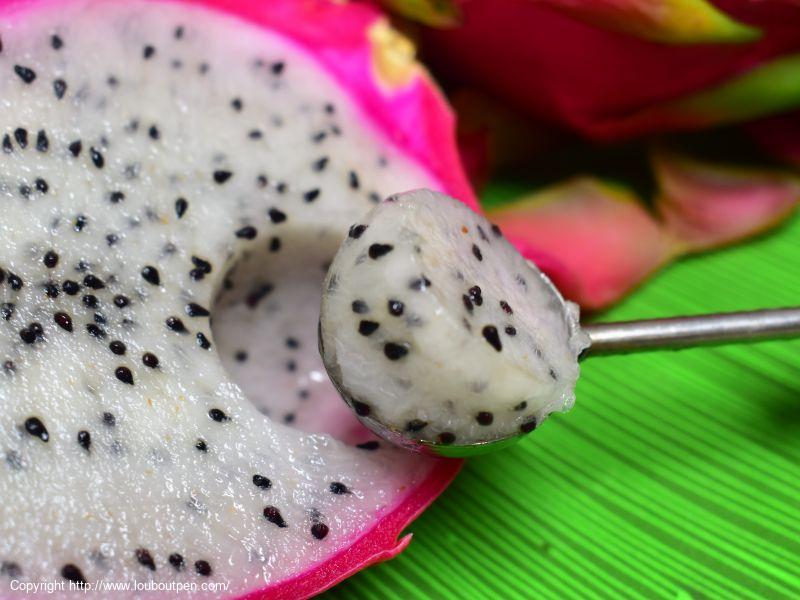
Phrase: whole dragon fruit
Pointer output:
(163, 163)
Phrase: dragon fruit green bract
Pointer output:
(434, 326)
(154, 154)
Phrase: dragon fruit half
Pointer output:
(163, 163)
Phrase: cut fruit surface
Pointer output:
(164, 165)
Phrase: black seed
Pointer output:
(70, 287)
(36, 328)
(359, 307)
(51, 290)
(180, 207)
(175, 324)
(356, 231)
(274, 244)
(420, 283)
(124, 375)
(255, 134)
(42, 143)
(370, 445)
(72, 573)
(291, 366)
(145, 559)
(273, 515)
(148, 52)
(91, 281)
(320, 164)
(195, 310)
(467, 302)
(504, 305)
(25, 190)
(553, 375)
(319, 530)
(90, 301)
(377, 250)
(27, 336)
(35, 427)
(352, 179)
(97, 158)
(262, 181)
(288, 418)
(111, 239)
(236, 104)
(521, 406)
(176, 560)
(311, 195)
(222, 176)
(490, 333)
(109, 420)
(151, 275)
(496, 231)
(84, 439)
(75, 148)
(484, 418)
(277, 67)
(201, 264)
(2, 275)
(116, 197)
(203, 568)
(415, 425)
(15, 282)
(482, 233)
(202, 341)
(154, 133)
(7, 147)
(248, 233)
(329, 108)
(362, 409)
(10, 569)
(277, 216)
(257, 295)
(511, 330)
(394, 351)
(27, 75)
(367, 327)
(7, 310)
(446, 438)
(121, 301)
(56, 42)
(99, 319)
(281, 187)
(201, 445)
(117, 347)
(477, 252)
(218, 415)
(95, 331)
(261, 482)
(240, 356)
(21, 135)
(475, 295)
(528, 425)
(63, 320)
(395, 307)
(41, 185)
(150, 360)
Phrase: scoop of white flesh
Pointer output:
(437, 330)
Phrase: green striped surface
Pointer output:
(677, 475)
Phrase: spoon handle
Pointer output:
(682, 332)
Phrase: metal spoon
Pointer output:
(672, 333)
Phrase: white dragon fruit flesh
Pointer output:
(436, 329)
(160, 164)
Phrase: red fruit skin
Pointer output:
(596, 81)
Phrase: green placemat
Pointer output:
(677, 475)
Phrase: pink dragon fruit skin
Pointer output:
(415, 116)
(549, 60)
